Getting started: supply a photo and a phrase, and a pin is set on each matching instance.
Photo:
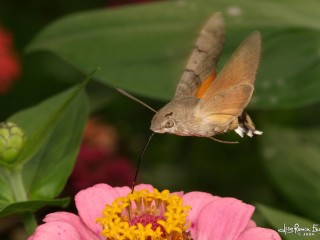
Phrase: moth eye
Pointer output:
(169, 124)
(169, 114)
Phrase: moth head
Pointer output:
(164, 121)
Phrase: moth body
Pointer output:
(178, 117)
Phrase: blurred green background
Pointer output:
(143, 49)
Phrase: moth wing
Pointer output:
(241, 68)
(231, 91)
(204, 57)
(224, 106)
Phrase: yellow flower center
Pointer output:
(146, 215)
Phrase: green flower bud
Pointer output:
(12, 140)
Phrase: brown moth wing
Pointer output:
(234, 84)
(241, 68)
(204, 56)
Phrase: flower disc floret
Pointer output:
(146, 215)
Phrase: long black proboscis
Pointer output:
(139, 162)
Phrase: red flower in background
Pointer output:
(97, 160)
(9, 65)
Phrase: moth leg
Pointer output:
(237, 127)
(240, 130)
(234, 125)
(246, 125)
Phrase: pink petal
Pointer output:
(56, 230)
(223, 219)
(197, 200)
(143, 186)
(123, 191)
(73, 220)
(62, 225)
(91, 202)
(251, 224)
(259, 233)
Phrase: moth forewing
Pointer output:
(204, 57)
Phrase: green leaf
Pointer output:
(291, 157)
(288, 224)
(54, 129)
(144, 48)
(39, 120)
(46, 174)
(289, 72)
(32, 206)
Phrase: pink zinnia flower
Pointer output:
(115, 213)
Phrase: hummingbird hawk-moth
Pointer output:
(207, 103)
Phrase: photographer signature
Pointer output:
(300, 230)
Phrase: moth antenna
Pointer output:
(123, 92)
(222, 141)
(139, 162)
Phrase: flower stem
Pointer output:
(17, 185)
(20, 194)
